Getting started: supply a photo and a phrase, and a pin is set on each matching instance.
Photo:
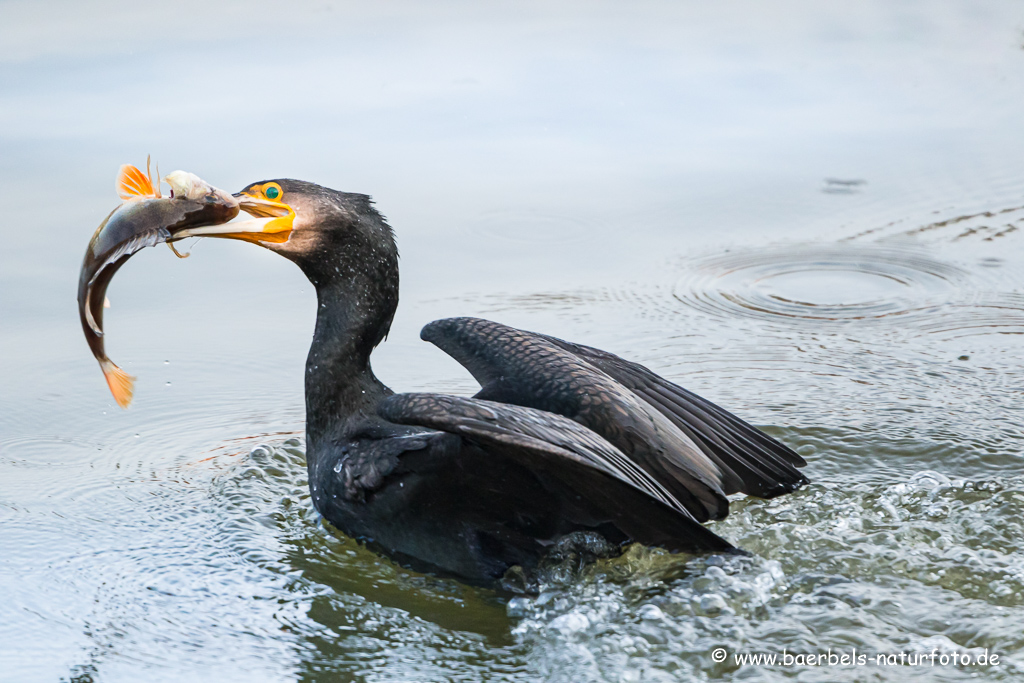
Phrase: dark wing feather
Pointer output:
(366, 463)
(766, 467)
(681, 439)
(526, 369)
(588, 466)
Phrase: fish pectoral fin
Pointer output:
(176, 252)
(122, 385)
(133, 183)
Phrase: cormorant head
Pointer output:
(314, 226)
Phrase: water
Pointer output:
(813, 215)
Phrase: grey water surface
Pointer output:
(811, 213)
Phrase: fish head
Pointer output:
(208, 203)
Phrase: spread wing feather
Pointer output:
(766, 466)
(577, 456)
(697, 451)
(543, 432)
(525, 369)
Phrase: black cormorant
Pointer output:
(561, 437)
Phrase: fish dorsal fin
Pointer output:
(133, 183)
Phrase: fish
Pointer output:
(145, 218)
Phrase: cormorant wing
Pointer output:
(766, 467)
(588, 467)
(525, 369)
(694, 449)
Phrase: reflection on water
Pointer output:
(809, 213)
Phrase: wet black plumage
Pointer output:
(560, 438)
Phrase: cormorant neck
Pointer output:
(356, 281)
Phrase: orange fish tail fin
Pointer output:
(133, 183)
(122, 385)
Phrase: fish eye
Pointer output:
(272, 191)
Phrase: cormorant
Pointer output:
(561, 437)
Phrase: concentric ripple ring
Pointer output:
(822, 283)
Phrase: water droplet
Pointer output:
(168, 384)
(712, 603)
(715, 573)
(167, 362)
(651, 613)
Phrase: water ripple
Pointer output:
(994, 313)
(819, 284)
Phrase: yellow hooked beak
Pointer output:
(273, 222)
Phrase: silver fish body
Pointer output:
(138, 223)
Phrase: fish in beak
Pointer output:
(272, 223)
(145, 218)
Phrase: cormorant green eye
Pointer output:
(272, 192)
